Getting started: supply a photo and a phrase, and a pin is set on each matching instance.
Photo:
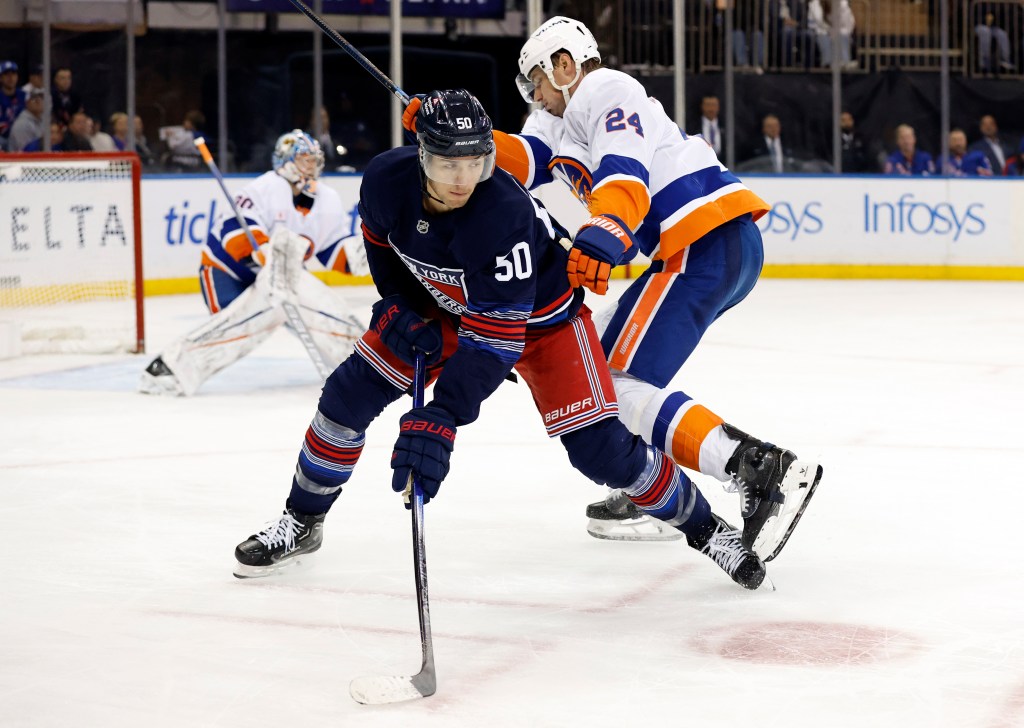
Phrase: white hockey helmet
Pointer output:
(298, 156)
(557, 34)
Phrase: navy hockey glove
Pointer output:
(603, 242)
(425, 443)
(405, 332)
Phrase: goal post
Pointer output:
(71, 253)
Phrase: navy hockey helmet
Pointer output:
(452, 125)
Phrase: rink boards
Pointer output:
(824, 227)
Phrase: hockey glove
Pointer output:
(404, 332)
(603, 242)
(425, 443)
(409, 117)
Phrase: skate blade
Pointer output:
(243, 571)
(798, 485)
(632, 529)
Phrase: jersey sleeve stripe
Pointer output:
(627, 198)
(374, 238)
(615, 165)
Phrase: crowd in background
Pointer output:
(990, 154)
(983, 152)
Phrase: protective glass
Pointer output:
(457, 170)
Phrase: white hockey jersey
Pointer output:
(620, 153)
(267, 203)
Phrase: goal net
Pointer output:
(70, 253)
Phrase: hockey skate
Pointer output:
(616, 518)
(159, 379)
(774, 489)
(279, 544)
(724, 546)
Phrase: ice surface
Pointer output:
(900, 598)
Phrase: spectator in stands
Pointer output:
(770, 147)
(99, 139)
(987, 31)
(12, 99)
(908, 159)
(76, 137)
(327, 143)
(792, 38)
(1015, 165)
(819, 21)
(962, 163)
(56, 139)
(710, 125)
(747, 32)
(146, 155)
(855, 153)
(991, 144)
(118, 124)
(66, 100)
(35, 81)
(29, 124)
(182, 155)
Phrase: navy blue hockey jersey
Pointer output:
(494, 263)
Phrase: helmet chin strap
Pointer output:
(425, 186)
(564, 89)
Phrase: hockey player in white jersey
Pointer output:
(292, 217)
(650, 188)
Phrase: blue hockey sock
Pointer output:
(663, 491)
(329, 453)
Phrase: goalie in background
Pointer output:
(292, 218)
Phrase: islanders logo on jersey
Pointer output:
(446, 285)
(575, 174)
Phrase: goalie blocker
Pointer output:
(253, 316)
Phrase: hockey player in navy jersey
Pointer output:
(471, 275)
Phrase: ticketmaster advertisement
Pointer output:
(830, 225)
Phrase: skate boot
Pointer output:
(724, 546)
(774, 489)
(279, 544)
(618, 519)
(159, 379)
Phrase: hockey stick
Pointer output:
(351, 50)
(380, 689)
(292, 313)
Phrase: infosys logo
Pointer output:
(785, 218)
(914, 217)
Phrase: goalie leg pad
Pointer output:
(327, 315)
(223, 340)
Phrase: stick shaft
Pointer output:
(418, 544)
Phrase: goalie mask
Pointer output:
(455, 138)
(558, 34)
(298, 157)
